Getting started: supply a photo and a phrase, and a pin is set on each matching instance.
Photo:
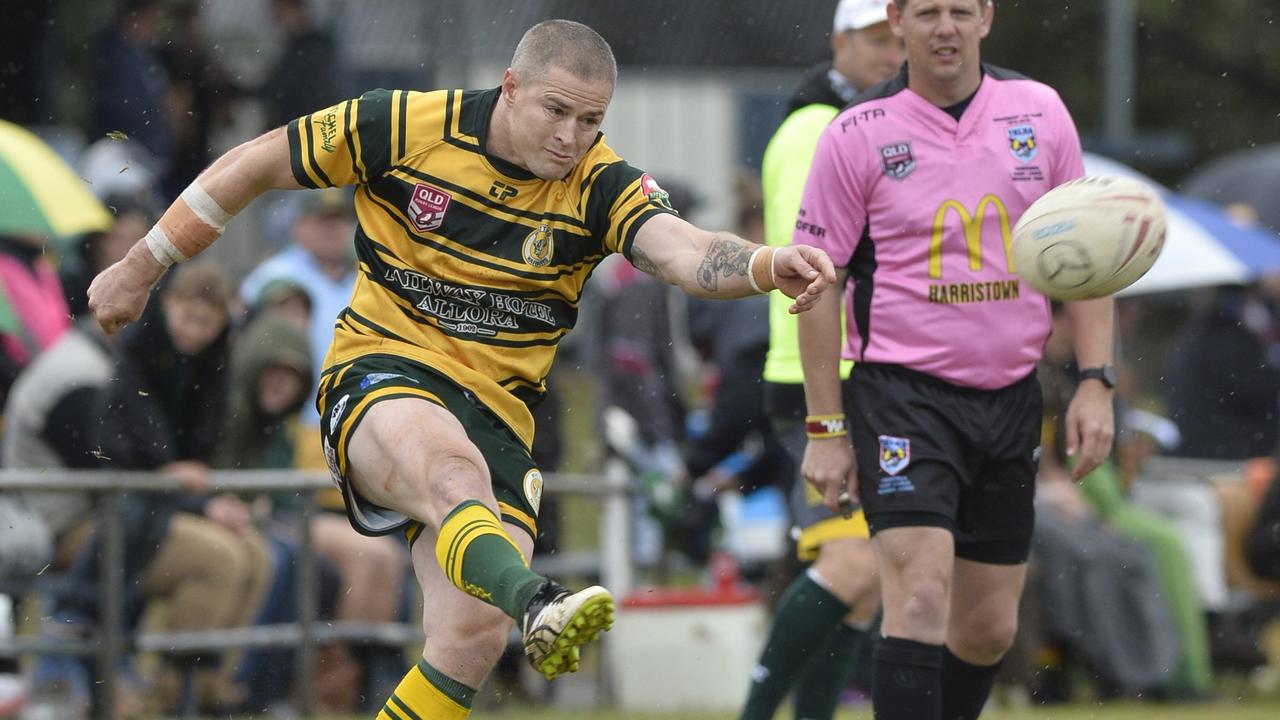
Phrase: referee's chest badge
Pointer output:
(533, 488)
(427, 206)
(895, 454)
(1022, 142)
(538, 246)
(897, 160)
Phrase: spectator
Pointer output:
(287, 300)
(163, 410)
(304, 76)
(130, 85)
(1108, 502)
(199, 567)
(320, 260)
(1097, 592)
(200, 97)
(1263, 547)
(33, 312)
(1224, 386)
(270, 381)
(732, 337)
(640, 387)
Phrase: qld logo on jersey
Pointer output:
(538, 246)
(895, 454)
(897, 160)
(427, 206)
(1022, 142)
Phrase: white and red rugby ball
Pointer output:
(1090, 237)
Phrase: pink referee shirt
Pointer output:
(920, 207)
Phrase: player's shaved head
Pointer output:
(567, 45)
(902, 4)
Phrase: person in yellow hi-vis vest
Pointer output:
(820, 622)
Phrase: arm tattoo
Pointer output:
(725, 257)
(645, 265)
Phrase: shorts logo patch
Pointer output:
(895, 454)
(331, 459)
(372, 379)
(427, 207)
(897, 160)
(533, 488)
(538, 246)
(336, 416)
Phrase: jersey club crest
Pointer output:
(538, 246)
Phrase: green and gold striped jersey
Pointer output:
(468, 264)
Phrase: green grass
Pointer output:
(1223, 711)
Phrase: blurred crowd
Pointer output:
(1149, 578)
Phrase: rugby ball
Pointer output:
(1089, 238)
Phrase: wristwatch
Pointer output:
(1105, 373)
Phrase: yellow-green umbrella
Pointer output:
(39, 193)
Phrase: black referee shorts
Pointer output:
(933, 454)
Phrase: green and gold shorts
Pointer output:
(348, 390)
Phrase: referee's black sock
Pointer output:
(908, 680)
(965, 687)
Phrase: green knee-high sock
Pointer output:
(825, 674)
(805, 618)
(481, 559)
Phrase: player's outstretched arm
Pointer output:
(723, 265)
(191, 224)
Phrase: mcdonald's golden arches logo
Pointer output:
(971, 224)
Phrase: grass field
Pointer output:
(1222, 711)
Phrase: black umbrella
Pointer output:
(1248, 177)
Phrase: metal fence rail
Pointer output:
(109, 643)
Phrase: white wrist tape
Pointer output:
(162, 249)
(751, 264)
(205, 207)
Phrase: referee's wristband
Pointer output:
(818, 427)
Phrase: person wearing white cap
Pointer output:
(819, 622)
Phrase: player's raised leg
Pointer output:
(414, 457)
